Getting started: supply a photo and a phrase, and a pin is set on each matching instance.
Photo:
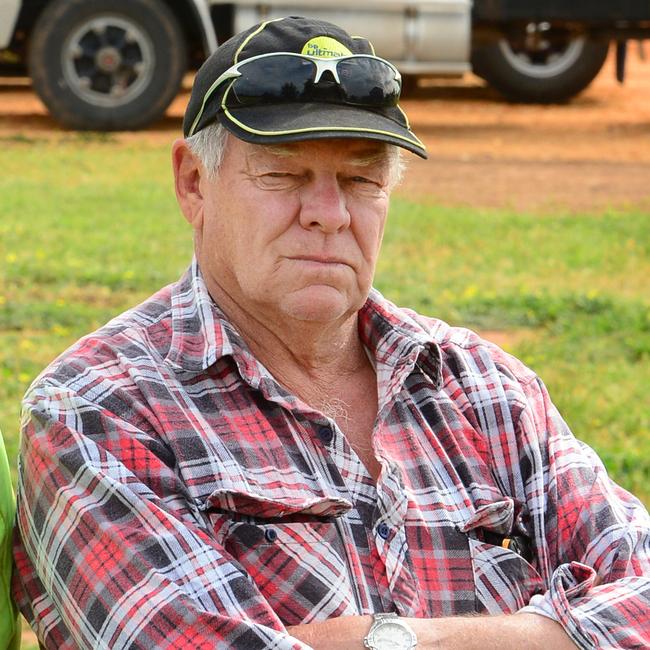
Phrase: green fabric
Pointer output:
(9, 628)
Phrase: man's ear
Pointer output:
(187, 182)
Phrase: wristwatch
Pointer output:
(390, 632)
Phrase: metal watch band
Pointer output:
(379, 620)
(384, 617)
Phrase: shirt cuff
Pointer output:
(569, 581)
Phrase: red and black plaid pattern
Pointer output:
(173, 495)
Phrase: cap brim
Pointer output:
(271, 123)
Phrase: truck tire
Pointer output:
(107, 64)
(538, 63)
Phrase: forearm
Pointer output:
(493, 633)
(462, 633)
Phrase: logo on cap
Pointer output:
(324, 47)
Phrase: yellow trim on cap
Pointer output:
(199, 115)
(404, 115)
(255, 33)
(225, 75)
(211, 89)
(363, 38)
(415, 141)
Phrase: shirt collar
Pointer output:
(201, 333)
(395, 335)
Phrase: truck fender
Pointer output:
(9, 10)
(208, 33)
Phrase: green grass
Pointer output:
(89, 227)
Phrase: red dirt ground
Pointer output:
(590, 154)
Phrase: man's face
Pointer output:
(295, 231)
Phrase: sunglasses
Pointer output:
(288, 77)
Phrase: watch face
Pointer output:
(392, 636)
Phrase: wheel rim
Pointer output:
(541, 51)
(108, 61)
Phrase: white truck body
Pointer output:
(9, 10)
(399, 31)
(419, 36)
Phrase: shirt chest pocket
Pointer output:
(504, 579)
(292, 549)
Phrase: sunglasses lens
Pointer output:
(273, 79)
(368, 82)
(364, 81)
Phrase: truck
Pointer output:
(118, 64)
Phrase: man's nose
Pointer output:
(324, 206)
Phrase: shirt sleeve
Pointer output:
(592, 537)
(112, 552)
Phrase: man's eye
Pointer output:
(278, 181)
(281, 177)
(367, 183)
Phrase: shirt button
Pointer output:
(325, 434)
(270, 535)
(383, 531)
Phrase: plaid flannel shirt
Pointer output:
(174, 495)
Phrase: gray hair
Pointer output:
(209, 146)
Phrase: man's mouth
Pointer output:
(320, 259)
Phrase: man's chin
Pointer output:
(318, 304)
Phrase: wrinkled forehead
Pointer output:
(353, 151)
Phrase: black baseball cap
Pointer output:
(328, 105)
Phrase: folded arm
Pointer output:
(592, 537)
(592, 544)
(459, 633)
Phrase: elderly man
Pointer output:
(269, 454)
